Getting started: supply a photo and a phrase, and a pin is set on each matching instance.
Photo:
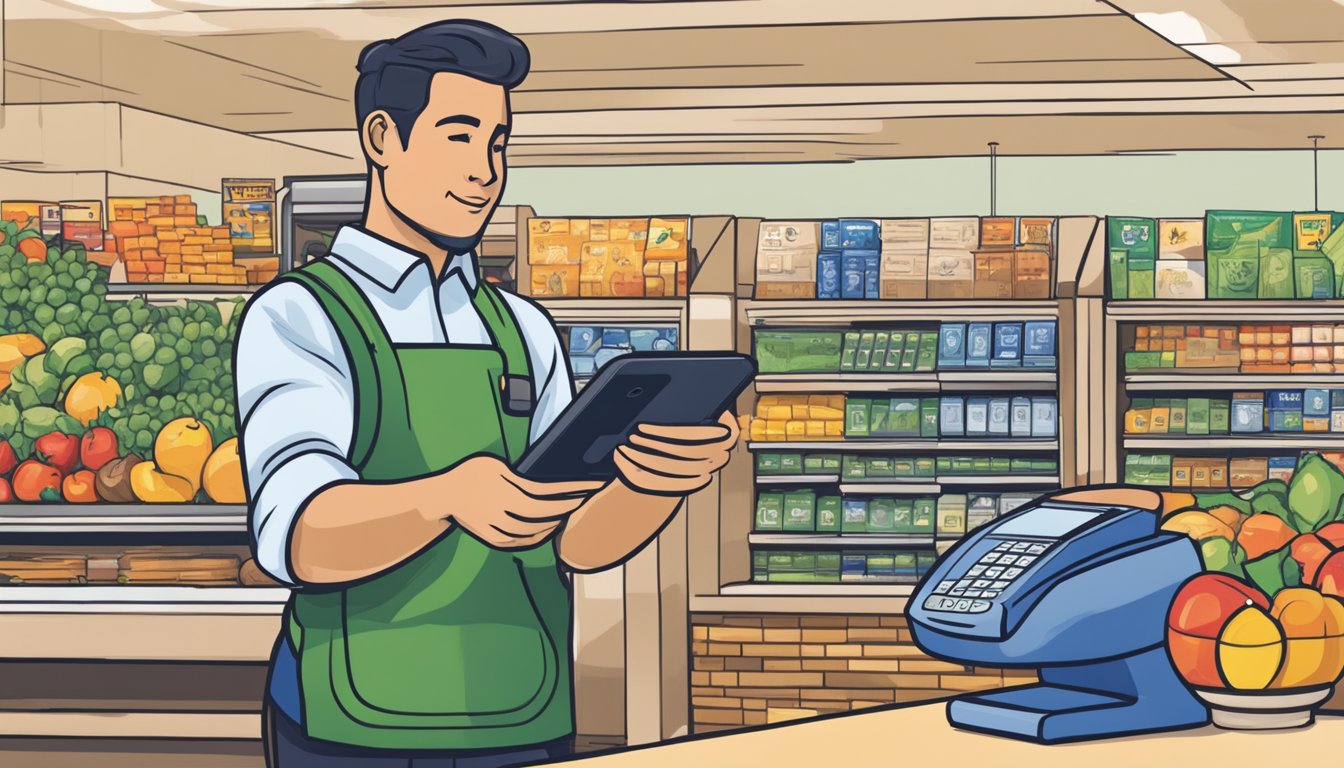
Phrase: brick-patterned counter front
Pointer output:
(751, 669)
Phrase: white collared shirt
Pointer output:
(296, 397)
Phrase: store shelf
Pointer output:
(764, 312)
(998, 480)
(174, 599)
(857, 540)
(945, 381)
(624, 311)
(123, 518)
(848, 599)
(850, 589)
(890, 487)
(1228, 381)
(131, 725)
(1321, 440)
(1015, 445)
(175, 291)
(797, 479)
(1227, 311)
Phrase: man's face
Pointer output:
(449, 179)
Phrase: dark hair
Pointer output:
(394, 75)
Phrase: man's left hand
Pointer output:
(675, 460)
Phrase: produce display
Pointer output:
(1267, 613)
(92, 388)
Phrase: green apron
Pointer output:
(461, 646)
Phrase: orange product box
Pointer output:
(219, 248)
(999, 232)
(193, 269)
(206, 279)
(169, 235)
(149, 241)
(184, 221)
(195, 250)
(123, 229)
(1321, 354)
(142, 228)
(182, 200)
(218, 269)
(1280, 355)
(153, 209)
(1338, 354)
(193, 258)
(176, 277)
(555, 280)
(168, 200)
(155, 267)
(159, 221)
(137, 215)
(154, 278)
(133, 254)
(1281, 334)
(170, 246)
(1301, 354)
(220, 232)
(196, 240)
(150, 254)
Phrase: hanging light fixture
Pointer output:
(993, 178)
(1316, 172)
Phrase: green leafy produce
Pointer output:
(64, 351)
(1219, 554)
(1315, 493)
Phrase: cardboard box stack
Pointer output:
(163, 243)
(1276, 411)
(1206, 473)
(797, 417)
(150, 567)
(1300, 348)
(609, 258)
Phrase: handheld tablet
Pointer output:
(671, 388)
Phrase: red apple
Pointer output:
(97, 447)
(59, 450)
(1330, 578)
(1309, 550)
(7, 458)
(1205, 603)
(35, 481)
(1333, 535)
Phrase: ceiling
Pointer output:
(742, 81)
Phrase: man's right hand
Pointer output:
(504, 510)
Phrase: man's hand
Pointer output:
(675, 461)
(504, 510)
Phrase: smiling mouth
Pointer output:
(477, 204)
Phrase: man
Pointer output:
(384, 391)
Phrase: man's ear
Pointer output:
(376, 133)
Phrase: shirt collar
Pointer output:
(387, 263)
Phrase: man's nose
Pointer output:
(482, 170)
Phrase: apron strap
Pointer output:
(372, 361)
(503, 328)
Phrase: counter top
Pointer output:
(920, 735)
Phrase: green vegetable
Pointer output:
(1219, 554)
(9, 419)
(62, 352)
(39, 421)
(142, 347)
(1211, 500)
(41, 379)
(1314, 493)
(1269, 572)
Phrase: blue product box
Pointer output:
(642, 339)
(979, 344)
(952, 345)
(977, 416)
(584, 340)
(851, 275)
(859, 235)
(1020, 423)
(952, 417)
(828, 275)
(1248, 415)
(853, 567)
(1044, 417)
(607, 354)
(1000, 416)
(1282, 467)
(1316, 402)
(1038, 344)
(583, 365)
(871, 261)
(666, 341)
(615, 337)
(1007, 346)
(1285, 421)
(830, 235)
(1284, 400)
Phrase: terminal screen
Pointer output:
(1052, 522)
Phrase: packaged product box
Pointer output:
(790, 463)
(904, 234)
(830, 235)
(909, 358)
(854, 516)
(1182, 471)
(1333, 249)
(1035, 231)
(1220, 417)
(1310, 230)
(1315, 277)
(1160, 419)
(982, 465)
(859, 234)
(1117, 266)
(853, 467)
(1010, 502)
(952, 345)
(881, 345)
(1038, 344)
(952, 513)
(82, 222)
(850, 351)
(857, 413)
(800, 508)
(904, 420)
(903, 467)
(1247, 472)
(1234, 241)
(1181, 239)
(980, 504)
(767, 464)
(786, 254)
(1007, 346)
(853, 567)
(797, 351)
(1197, 416)
(878, 467)
(1031, 274)
(926, 356)
(978, 517)
(1248, 412)
(993, 274)
(979, 344)
(879, 418)
(864, 357)
(951, 274)
(895, 349)
(851, 274)
(977, 416)
(547, 280)
(928, 417)
(1316, 403)
(1001, 465)
(1276, 274)
(828, 274)
(902, 516)
(1000, 416)
(923, 516)
(760, 566)
(881, 512)
(1044, 417)
(611, 269)
(881, 566)
(1019, 424)
(1281, 467)
(952, 417)
(1137, 236)
(957, 233)
(668, 239)
(1176, 420)
(1142, 279)
(828, 514)
(1179, 279)
(903, 274)
(998, 232)
(770, 512)
(924, 466)
(550, 242)
(871, 267)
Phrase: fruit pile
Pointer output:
(72, 362)
(1267, 613)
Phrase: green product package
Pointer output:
(1315, 277)
(963, 465)
(1197, 416)
(879, 466)
(880, 343)
(760, 566)
(1001, 465)
(926, 358)
(922, 515)
(904, 419)
(943, 465)
(790, 463)
(903, 467)
(853, 467)
(1176, 419)
(879, 418)
(1234, 242)
(828, 514)
(981, 465)
(854, 516)
(800, 508)
(1119, 273)
(1220, 417)
(924, 467)
(928, 417)
(1136, 235)
(849, 351)
(797, 351)
(892, 360)
(828, 567)
(880, 515)
(857, 413)
(1132, 469)
(1333, 249)
(865, 354)
(769, 512)
(909, 357)
(902, 516)
(767, 464)
(780, 561)
(1276, 274)
(1142, 276)
(830, 463)
(1014, 465)
(814, 464)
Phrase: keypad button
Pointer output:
(957, 591)
(1025, 560)
(976, 571)
(1003, 546)
(1021, 546)
(963, 606)
(1036, 549)
(982, 583)
(1008, 560)
(990, 593)
(999, 585)
(973, 593)
(943, 587)
(989, 559)
(1012, 573)
(994, 572)
(979, 606)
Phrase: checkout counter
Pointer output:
(1076, 585)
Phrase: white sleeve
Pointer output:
(550, 366)
(296, 404)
